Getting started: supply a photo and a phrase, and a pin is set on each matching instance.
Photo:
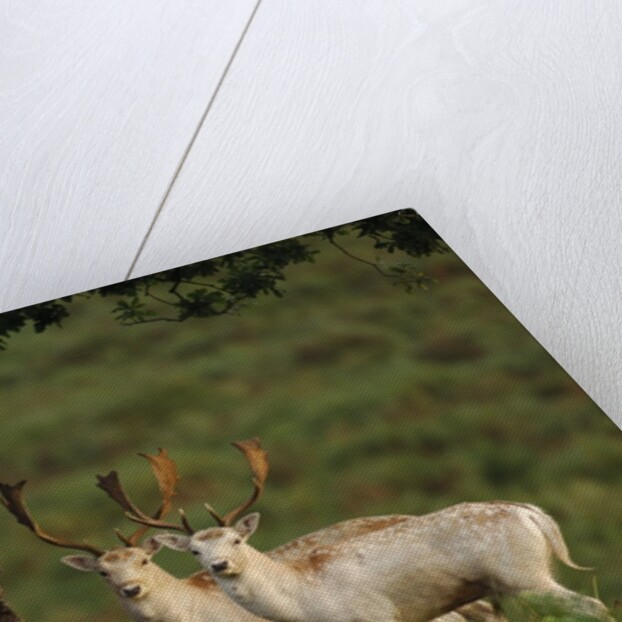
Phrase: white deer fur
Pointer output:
(393, 568)
(150, 594)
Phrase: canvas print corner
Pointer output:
(404, 449)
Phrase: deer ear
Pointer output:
(85, 563)
(246, 526)
(151, 545)
(173, 541)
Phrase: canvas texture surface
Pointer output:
(382, 378)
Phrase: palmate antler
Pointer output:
(165, 471)
(257, 460)
(13, 501)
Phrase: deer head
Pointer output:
(226, 532)
(127, 569)
(222, 550)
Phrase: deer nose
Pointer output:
(220, 566)
(131, 592)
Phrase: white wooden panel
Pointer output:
(98, 102)
(499, 121)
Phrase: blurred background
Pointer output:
(369, 399)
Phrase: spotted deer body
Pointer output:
(396, 568)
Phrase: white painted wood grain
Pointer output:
(499, 121)
(309, 128)
(98, 102)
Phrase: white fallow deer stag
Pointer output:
(396, 568)
(326, 575)
(146, 591)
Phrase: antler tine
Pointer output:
(257, 460)
(14, 502)
(217, 517)
(160, 524)
(111, 485)
(127, 540)
(165, 472)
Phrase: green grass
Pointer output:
(530, 607)
(370, 400)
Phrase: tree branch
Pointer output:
(150, 320)
(375, 266)
(238, 278)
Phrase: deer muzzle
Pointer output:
(220, 566)
(131, 592)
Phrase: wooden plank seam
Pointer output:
(184, 156)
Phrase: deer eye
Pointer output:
(103, 573)
(145, 561)
(237, 541)
(194, 552)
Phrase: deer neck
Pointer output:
(167, 600)
(267, 588)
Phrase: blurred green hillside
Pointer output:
(370, 400)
